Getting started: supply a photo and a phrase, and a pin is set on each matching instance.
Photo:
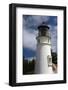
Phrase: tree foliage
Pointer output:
(28, 66)
(54, 57)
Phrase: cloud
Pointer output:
(30, 40)
(53, 30)
(40, 19)
(32, 21)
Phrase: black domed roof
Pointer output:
(43, 26)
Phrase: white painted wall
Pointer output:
(43, 51)
(4, 40)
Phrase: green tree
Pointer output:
(54, 57)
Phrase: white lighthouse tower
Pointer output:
(43, 63)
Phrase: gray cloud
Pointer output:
(30, 39)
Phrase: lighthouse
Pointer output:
(43, 64)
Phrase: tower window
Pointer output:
(49, 60)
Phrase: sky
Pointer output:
(30, 32)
